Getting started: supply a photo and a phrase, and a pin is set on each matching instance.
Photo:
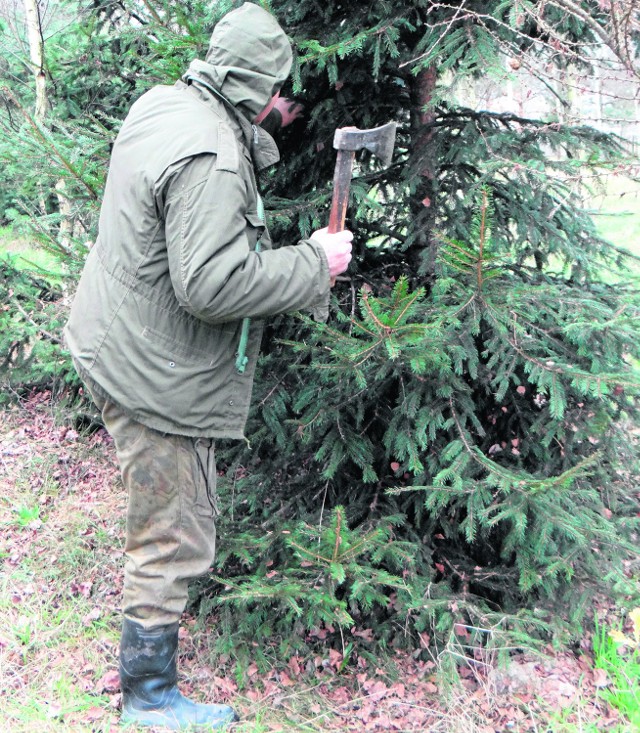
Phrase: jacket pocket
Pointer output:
(206, 499)
(172, 349)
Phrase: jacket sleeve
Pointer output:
(216, 275)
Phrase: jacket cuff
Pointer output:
(319, 308)
(272, 123)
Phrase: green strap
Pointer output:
(241, 355)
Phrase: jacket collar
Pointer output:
(262, 147)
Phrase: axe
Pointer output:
(378, 140)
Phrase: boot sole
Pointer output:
(161, 720)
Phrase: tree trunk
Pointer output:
(65, 233)
(33, 18)
(421, 253)
(36, 54)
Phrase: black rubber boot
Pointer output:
(148, 680)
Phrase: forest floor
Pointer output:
(62, 519)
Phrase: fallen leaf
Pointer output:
(294, 666)
(92, 714)
(285, 680)
(92, 616)
(109, 682)
(54, 711)
(335, 658)
(601, 678)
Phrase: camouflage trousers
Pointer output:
(171, 534)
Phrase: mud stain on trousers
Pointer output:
(171, 534)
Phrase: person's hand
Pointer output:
(289, 110)
(337, 248)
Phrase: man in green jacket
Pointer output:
(160, 331)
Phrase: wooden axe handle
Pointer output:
(341, 185)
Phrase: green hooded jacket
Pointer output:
(156, 320)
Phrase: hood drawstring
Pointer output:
(241, 355)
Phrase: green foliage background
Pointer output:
(451, 448)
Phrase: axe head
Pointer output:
(379, 140)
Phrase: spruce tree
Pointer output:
(447, 448)
(470, 396)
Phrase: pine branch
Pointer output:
(49, 144)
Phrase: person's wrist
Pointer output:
(272, 123)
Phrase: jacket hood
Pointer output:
(248, 60)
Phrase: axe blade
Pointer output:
(379, 140)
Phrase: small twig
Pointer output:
(324, 500)
(41, 330)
